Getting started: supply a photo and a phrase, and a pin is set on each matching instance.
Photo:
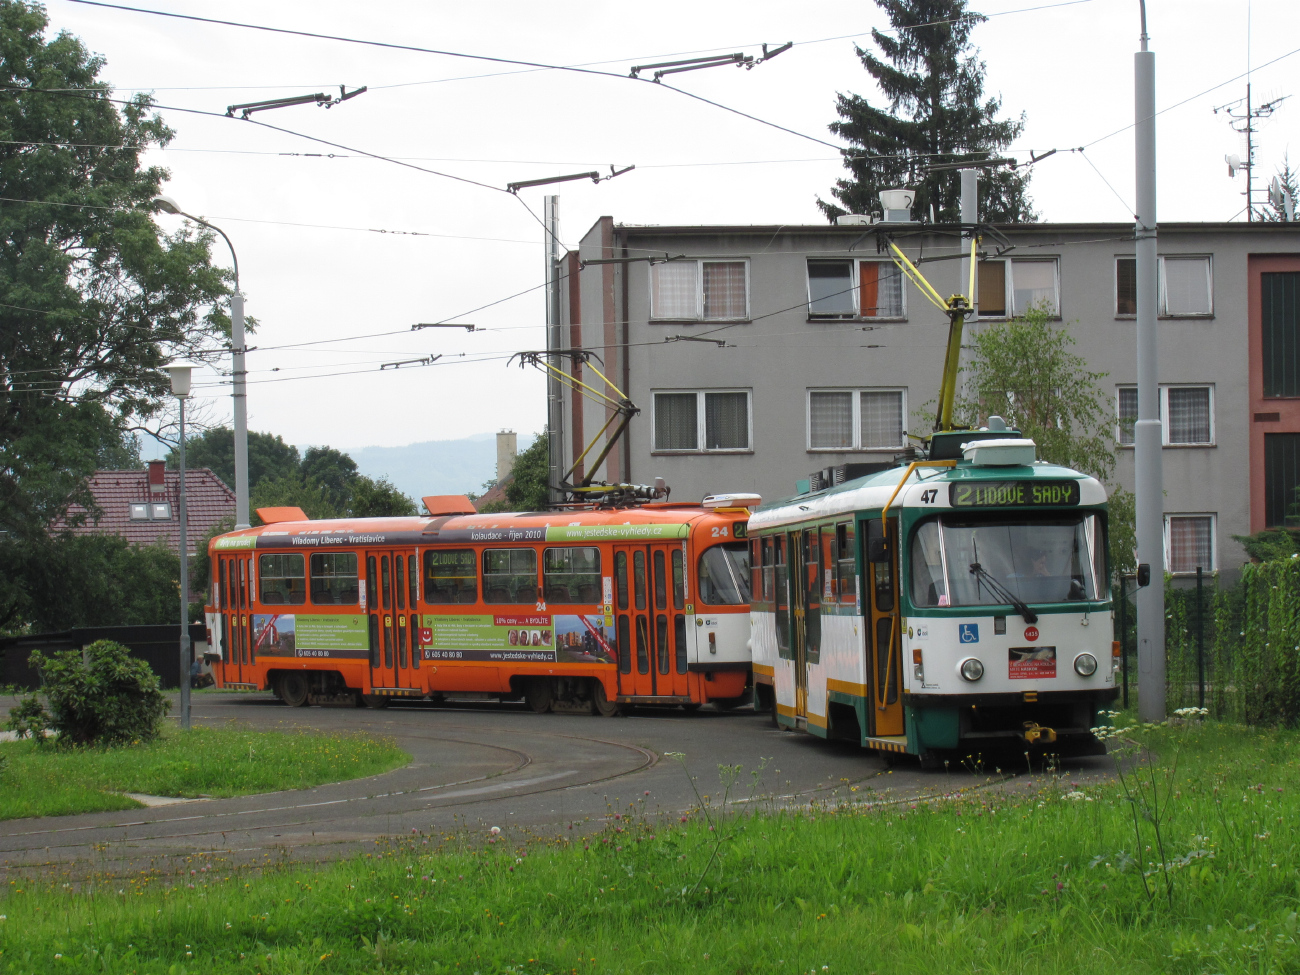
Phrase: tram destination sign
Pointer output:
(1013, 494)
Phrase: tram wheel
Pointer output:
(728, 703)
(539, 695)
(376, 701)
(293, 689)
(692, 707)
(604, 706)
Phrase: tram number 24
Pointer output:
(729, 531)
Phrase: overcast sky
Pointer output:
(313, 268)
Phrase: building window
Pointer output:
(1186, 415)
(695, 291)
(849, 289)
(1189, 542)
(855, 419)
(151, 511)
(1279, 294)
(702, 420)
(1183, 285)
(1008, 289)
(1281, 478)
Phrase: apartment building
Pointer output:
(758, 355)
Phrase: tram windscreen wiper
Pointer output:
(1002, 592)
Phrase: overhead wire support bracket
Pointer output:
(320, 98)
(720, 343)
(426, 361)
(739, 59)
(594, 176)
(420, 325)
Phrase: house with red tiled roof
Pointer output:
(143, 506)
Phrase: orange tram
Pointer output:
(581, 609)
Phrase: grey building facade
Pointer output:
(761, 354)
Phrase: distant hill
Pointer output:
(434, 466)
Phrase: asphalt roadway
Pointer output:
(477, 766)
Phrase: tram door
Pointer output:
(234, 583)
(650, 620)
(885, 645)
(798, 555)
(391, 584)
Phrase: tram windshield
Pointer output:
(724, 575)
(968, 561)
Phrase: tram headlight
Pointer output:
(971, 669)
(1085, 665)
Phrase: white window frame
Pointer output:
(1214, 545)
(1164, 415)
(855, 275)
(699, 290)
(1009, 287)
(857, 392)
(1161, 310)
(701, 420)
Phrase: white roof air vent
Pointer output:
(1016, 452)
(897, 205)
(853, 220)
(732, 501)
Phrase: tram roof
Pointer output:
(608, 524)
(874, 491)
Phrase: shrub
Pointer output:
(100, 695)
(29, 719)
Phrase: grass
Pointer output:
(1041, 879)
(43, 780)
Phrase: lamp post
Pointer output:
(239, 375)
(180, 377)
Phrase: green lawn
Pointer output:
(43, 780)
(1048, 879)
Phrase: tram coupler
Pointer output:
(1034, 733)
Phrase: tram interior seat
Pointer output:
(558, 594)
(272, 598)
(497, 594)
(589, 592)
(526, 594)
(347, 596)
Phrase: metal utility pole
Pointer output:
(180, 380)
(1147, 432)
(554, 343)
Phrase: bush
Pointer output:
(100, 695)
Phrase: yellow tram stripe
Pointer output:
(845, 687)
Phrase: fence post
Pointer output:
(1123, 635)
(1200, 633)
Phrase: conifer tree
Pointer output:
(933, 84)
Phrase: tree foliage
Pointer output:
(55, 583)
(1023, 370)
(935, 110)
(1289, 180)
(268, 455)
(93, 296)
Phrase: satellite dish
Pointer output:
(1288, 205)
(1275, 193)
(1234, 165)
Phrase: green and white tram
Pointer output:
(938, 608)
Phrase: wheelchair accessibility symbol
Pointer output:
(969, 632)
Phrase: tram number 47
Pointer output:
(928, 496)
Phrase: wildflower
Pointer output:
(495, 831)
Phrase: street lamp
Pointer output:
(180, 378)
(240, 376)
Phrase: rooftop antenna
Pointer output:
(1242, 119)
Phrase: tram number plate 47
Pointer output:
(1030, 663)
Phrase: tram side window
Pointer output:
(756, 568)
(334, 578)
(509, 575)
(679, 580)
(282, 579)
(928, 588)
(723, 575)
(450, 576)
(845, 564)
(769, 566)
(571, 575)
(782, 598)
